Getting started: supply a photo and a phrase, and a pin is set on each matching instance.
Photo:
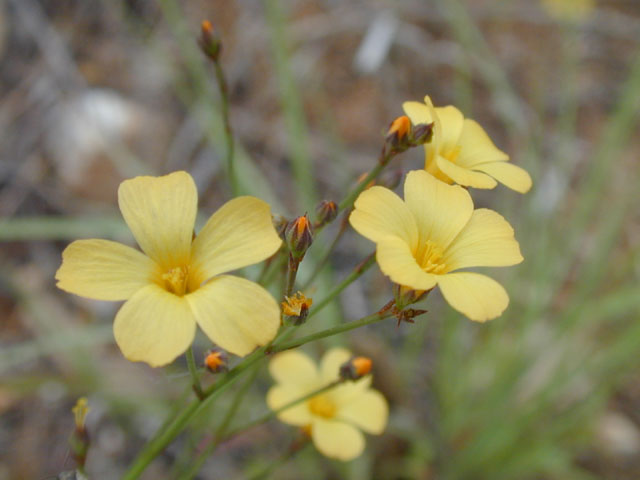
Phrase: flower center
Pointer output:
(176, 280)
(429, 257)
(322, 406)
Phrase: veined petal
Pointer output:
(476, 146)
(345, 392)
(463, 176)
(379, 212)
(336, 439)
(451, 120)
(103, 270)
(440, 210)
(368, 411)
(397, 262)
(161, 213)
(236, 314)
(487, 240)
(240, 233)
(154, 326)
(477, 296)
(295, 368)
(508, 174)
(331, 362)
(280, 395)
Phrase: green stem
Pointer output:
(228, 132)
(270, 415)
(191, 363)
(327, 254)
(292, 272)
(357, 272)
(347, 202)
(345, 327)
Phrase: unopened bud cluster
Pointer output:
(402, 135)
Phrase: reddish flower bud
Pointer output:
(326, 212)
(299, 236)
(209, 41)
(355, 368)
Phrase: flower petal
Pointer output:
(486, 241)
(397, 262)
(336, 439)
(451, 123)
(154, 326)
(440, 210)
(103, 270)
(236, 314)
(294, 368)
(240, 233)
(463, 176)
(508, 174)
(477, 296)
(161, 213)
(331, 363)
(368, 411)
(476, 146)
(280, 395)
(417, 112)
(379, 212)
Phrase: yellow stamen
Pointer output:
(176, 280)
(322, 406)
(430, 257)
(296, 304)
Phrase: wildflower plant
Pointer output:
(181, 278)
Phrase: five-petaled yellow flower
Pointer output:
(461, 152)
(178, 282)
(336, 416)
(422, 240)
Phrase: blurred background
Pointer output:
(95, 92)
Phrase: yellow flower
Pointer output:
(178, 282)
(569, 10)
(296, 304)
(336, 416)
(420, 241)
(461, 152)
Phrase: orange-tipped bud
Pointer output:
(209, 41)
(355, 368)
(299, 236)
(297, 306)
(399, 128)
(326, 212)
(216, 360)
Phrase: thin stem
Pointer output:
(347, 202)
(195, 380)
(345, 327)
(228, 132)
(292, 272)
(356, 273)
(327, 254)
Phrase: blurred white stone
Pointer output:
(377, 41)
(618, 435)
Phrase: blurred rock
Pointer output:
(617, 435)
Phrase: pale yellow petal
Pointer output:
(154, 326)
(477, 296)
(236, 314)
(240, 233)
(451, 121)
(336, 439)
(379, 212)
(397, 262)
(281, 395)
(161, 212)
(508, 174)
(417, 112)
(368, 411)
(343, 393)
(440, 210)
(476, 146)
(463, 176)
(294, 367)
(331, 363)
(486, 241)
(103, 270)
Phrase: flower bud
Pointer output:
(299, 236)
(399, 129)
(355, 368)
(326, 212)
(297, 308)
(210, 41)
(421, 133)
(216, 360)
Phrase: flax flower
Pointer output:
(461, 152)
(178, 281)
(421, 241)
(335, 417)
